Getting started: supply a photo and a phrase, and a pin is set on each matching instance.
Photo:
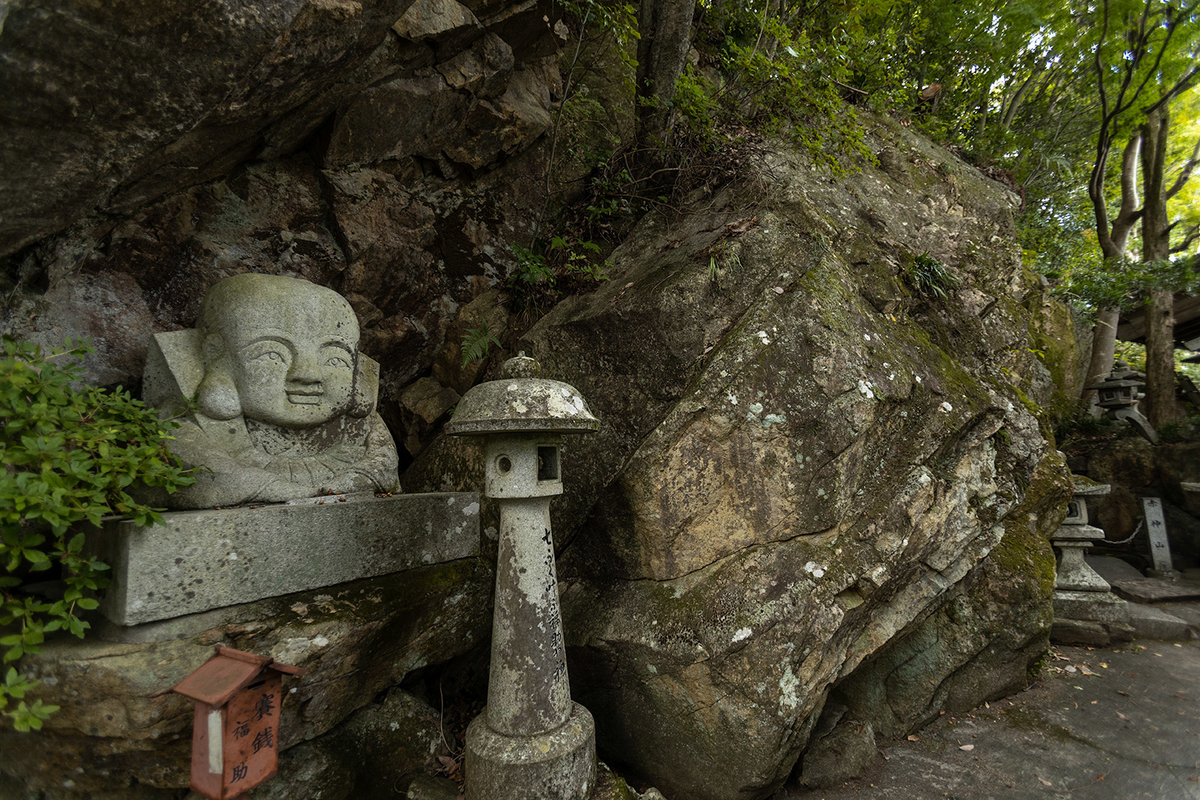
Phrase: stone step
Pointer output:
(1153, 623)
(1156, 590)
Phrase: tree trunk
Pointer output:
(1160, 358)
(1104, 348)
(665, 37)
(1113, 240)
(1156, 246)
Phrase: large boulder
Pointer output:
(802, 460)
(981, 643)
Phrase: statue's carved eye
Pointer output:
(337, 361)
(271, 356)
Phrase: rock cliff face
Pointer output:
(818, 506)
(391, 154)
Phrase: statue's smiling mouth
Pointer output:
(306, 397)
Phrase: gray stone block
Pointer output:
(1152, 623)
(557, 765)
(1096, 634)
(1090, 607)
(1113, 569)
(201, 560)
(841, 756)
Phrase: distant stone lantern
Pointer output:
(235, 735)
(1074, 537)
(1085, 610)
(1118, 395)
(531, 742)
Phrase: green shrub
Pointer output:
(71, 453)
(534, 277)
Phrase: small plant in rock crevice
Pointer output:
(71, 455)
(564, 267)
(930, 277)
(477, 343)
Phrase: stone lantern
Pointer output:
(1085, 610)
(1118, 395)
(531, 742)
(1074, 537)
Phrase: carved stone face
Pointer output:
(291, 349)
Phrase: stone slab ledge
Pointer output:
(202, 560)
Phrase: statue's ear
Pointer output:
(217, 394)
(366, 387)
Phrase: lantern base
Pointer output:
(559, 765)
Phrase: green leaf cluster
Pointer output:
(71, 455)
(1125, 283)
(930, 277)
(25, 716)
(477, 343)
(535, 276)
(779, 72)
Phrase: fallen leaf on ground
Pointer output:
(967, 747)
(1045, 782)
(1122, 716)
(912, 737)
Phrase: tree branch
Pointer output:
(1192, 236)
(1186, 174)
(1181, 86)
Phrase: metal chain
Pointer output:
(1130, 539)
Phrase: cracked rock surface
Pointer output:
(810, 481)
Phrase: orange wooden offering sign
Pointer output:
(235, 734)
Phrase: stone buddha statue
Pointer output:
(274, 399)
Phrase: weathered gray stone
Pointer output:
(423, 404)
(1091, 618)
(840, 755)
(437, 19)
(200, 560)
(285, 403)
(1074, 573)
(555, 765)
(1113, 569)
(980, 644)
(355, 640)
(1156, 590)
(1094, 634)
(112, 105)
(1153, 623)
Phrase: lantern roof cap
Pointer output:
(227, 673)
(1086, 487)
(1116, 383)
(522, 402)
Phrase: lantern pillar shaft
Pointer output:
(528, 689)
